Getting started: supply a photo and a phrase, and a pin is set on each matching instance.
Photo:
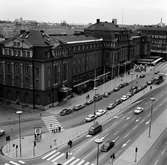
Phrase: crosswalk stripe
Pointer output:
(81, 162)
(20, 161)
(68, 161)
(53, 156)
(57, 157)
(77, 160)
(49, 154)
(6, 164)
(87, 163)
(14, 163)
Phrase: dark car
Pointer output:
(116, 89)
(97, 97)
(2, 132)
(94, 129)
(65, 111)
(111, 106)
(142, 76)
(118, 101)
(107, 146)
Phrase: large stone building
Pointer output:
(41, 70)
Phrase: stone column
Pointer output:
(4, 72)
(31, 76)
(12, 73)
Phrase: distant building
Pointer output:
(158, 36)
(42, 70)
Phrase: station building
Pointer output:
(41, 70)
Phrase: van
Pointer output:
(94, 129)
(107, 146)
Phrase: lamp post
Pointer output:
(98, 142)
(152, 100)
(19, 114)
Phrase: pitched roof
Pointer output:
(105, 26)
(35, 38)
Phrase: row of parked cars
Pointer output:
(96, 98)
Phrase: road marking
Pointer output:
(58, 157)
(123, 145)
(88, 136)
(6, 164)
(49, 154)
(53, 156)
(20, 161)
(137, 119)
(77, 160)
(114, 140)
(156, 162)
(87, 163)
(68, 161)
(115, 117)
(163, 151)
(14, 163)
(81, 162)
(147, 122)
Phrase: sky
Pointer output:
(85, 11)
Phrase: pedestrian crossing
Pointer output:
(19, 162)
(56, 156)
(52, 123)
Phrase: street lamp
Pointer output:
(152, 100)
(19, 114)
(98, 142)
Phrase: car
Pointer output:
(2, 132)
(138, 110)
(142, 76)
(149, 82)
(97, 97)
(124, 97)
(111, 106)
(100, 112)
(116, 89)
(106, 94)
(90, 117)
(118, 101)
(90, 101)
(156, 72)
(78, 107)
(129, 94)
(66, 111)
(107, 146)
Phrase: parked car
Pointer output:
(106, 94)
(2, 132)
(65, 111)
(149, 82)
(142, 76)
(116, 89)
(107, 146)
(118, 101)
(129, 94)
(156, 72)
(97, 97)
(100, 112)
(138, 110)
(78, 107)
(90, 117)
(90, 101)
(111, 106)
(124, 97)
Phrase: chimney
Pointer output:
(114, 21)
(97, 20)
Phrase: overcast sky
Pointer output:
(85, 11)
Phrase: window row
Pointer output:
(17, 52)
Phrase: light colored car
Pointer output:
(106, 94)
(100, 112)
(90, 117)
(90, 101)
(138, 110)
(111, 106)
(78, 107)
(124, 97)
(2, 132)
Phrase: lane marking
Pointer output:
(114, 140)
(123, 145)
(81, 162)
(77, 160)
(20, 161)
(14, 163)
(137, 120)
(58, 157)
(49, 154)
(68, 161)
(128, 118)
(6, 164)
(115, 117)
(156, 162)
(53, 156)
(87, 163)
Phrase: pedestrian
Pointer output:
(50, 146)
(59, 129)
(66, 154)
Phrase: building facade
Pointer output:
(41, 70)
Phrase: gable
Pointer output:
(18, 44)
